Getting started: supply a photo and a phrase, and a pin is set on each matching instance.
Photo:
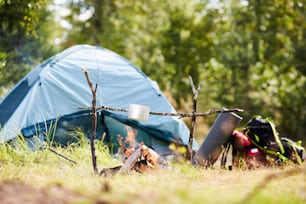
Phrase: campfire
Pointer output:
(135, 156)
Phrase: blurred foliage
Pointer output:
(25, 37)
(246, 54)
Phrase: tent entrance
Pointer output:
(72, 129)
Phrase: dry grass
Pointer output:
(182, 183)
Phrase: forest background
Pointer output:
(248, 54)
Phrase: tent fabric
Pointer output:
(57, 91)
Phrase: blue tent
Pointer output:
(52, 97)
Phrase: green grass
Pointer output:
(181, 183)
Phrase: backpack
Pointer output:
(262, 133)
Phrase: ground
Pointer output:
(17, 192)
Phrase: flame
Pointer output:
(131, 135)
(148, 160)
(127, 146)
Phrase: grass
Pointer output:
(181, 183)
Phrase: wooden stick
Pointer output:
(181, 115)
(94, 120)
(130, 162)
(61, 155)
(193, 118)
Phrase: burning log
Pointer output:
(140, 159)
(138, 156)
(150, 160)
(143, 159)
(130, 162)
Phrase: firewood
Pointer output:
(107, 172)
(153, 157)
(130, 162)
(141, 159)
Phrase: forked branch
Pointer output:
(94, 120)
(195, 93)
